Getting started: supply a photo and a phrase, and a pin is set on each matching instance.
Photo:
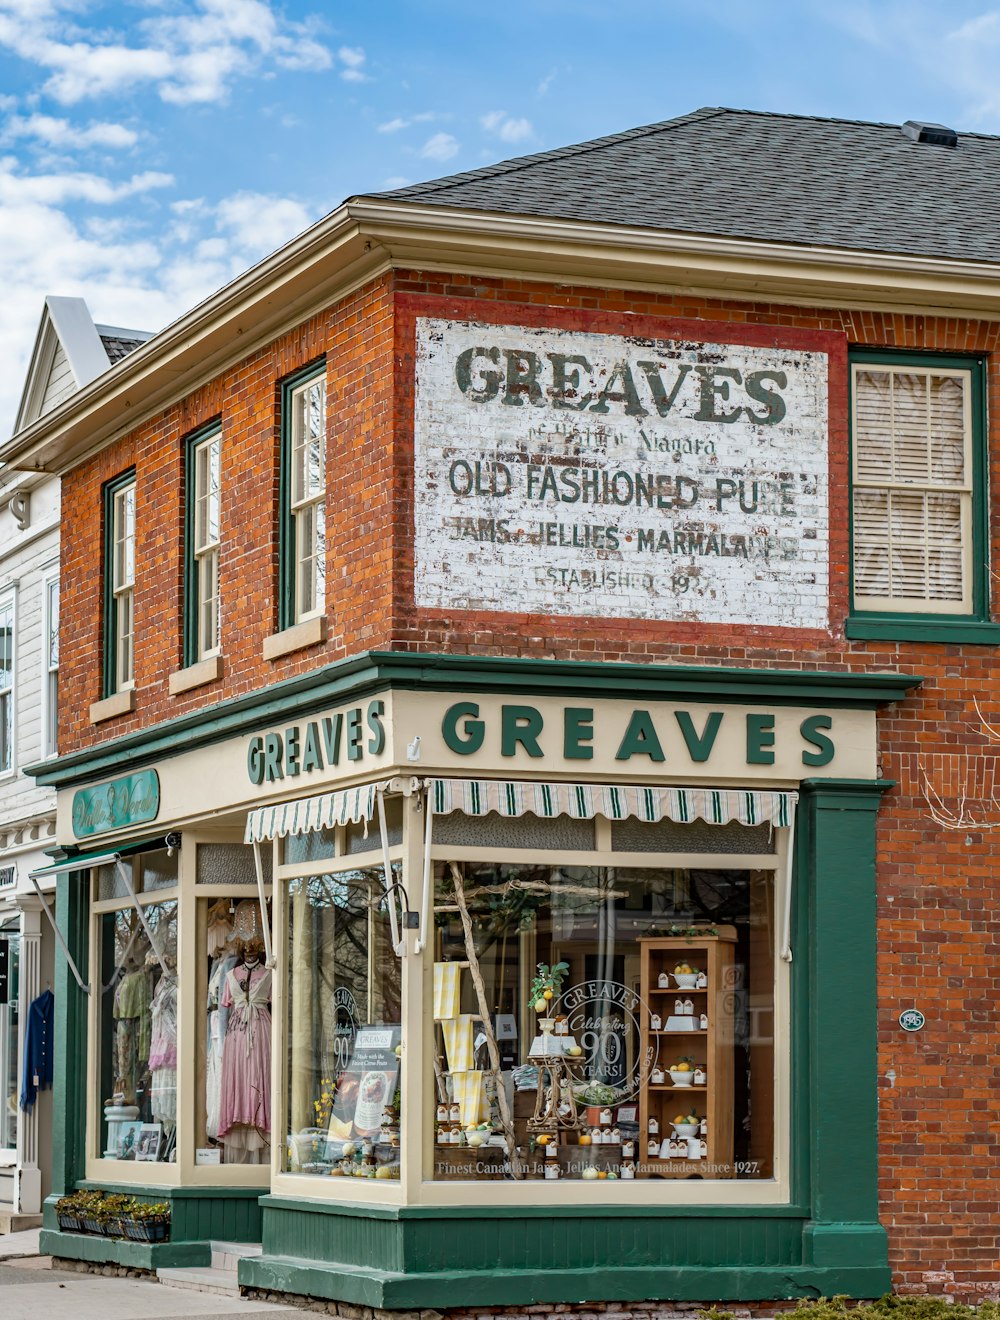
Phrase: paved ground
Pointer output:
(30, 1289)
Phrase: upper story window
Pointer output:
(7, 681)
(204, 457)
(119, 650)
(50, 670)
(303, 497)
(919, 543)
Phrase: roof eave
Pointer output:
(368, 235)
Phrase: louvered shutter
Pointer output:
(912, 494)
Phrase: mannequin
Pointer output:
(245, 1107)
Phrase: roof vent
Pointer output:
(935, 135)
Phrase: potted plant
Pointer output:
(148, 1221)
(111, 1212)
(544, 989)
(68, 1214)
(597, 1097)
(90, 1206)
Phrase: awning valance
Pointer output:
(717, 806)
(349, 806)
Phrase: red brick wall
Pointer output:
(937, 893)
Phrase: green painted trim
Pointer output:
(905, 629)
(922, 628)
(189, 651)
(69, 1058)
(109, 491)
(135, 1255)
(362, 1210)
(376, 671)
(286, 523)
(621, 1282)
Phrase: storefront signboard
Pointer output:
(571, 473)
(130, 800)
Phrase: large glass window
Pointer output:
(304, 496)
(203, 530)
(343, 1023)
(7, 681)
(10, 946)
(120, 585)
(917, 486)
(50, 676)
(137, 1010)
(603, 1022)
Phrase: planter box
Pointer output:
(147, 1230)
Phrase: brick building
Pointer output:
(523, 649)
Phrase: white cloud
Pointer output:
(261, 222)
(353, 57)
(396, 181)
(442, 146)
(506, 128)
(190, 56)
(58, 189)
(393, 125)
(546, 83)
(61, 133)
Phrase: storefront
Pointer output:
(564, 974)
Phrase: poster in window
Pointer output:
(368, 1083)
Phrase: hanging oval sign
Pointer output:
(911, 1019)
(126, 801)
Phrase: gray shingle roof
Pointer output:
(747, 174)
(118, 346)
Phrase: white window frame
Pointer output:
(8, 693)
(307, 496)
(122, 533)
(50, 670)
(964, 491)
(206, 513)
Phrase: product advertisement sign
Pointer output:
(368, 1083)
(578, 473)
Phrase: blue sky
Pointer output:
(150, 150)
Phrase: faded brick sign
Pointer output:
(587, 474)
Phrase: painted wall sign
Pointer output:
(126, 801)
(579, 474)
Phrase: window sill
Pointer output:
(885, 628)
(308, 633)
(196, 675)
(119, 703)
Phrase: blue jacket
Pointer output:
(37, 1049)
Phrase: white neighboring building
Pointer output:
(70, 351)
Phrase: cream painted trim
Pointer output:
(367, 236)
(119, 703)
(310, 632)
(203, 671)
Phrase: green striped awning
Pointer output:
(350, 805)
(717, 806)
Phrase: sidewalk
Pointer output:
(31, 1290)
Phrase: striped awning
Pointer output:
(717, 806)
(350, 805)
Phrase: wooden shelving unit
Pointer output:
(711, 1049)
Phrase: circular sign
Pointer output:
(604, 1017)
(911, 1019)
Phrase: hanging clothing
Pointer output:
(37, 1074)
(163, 1051)
(218, 1021)
(132, 1030)
(245, 1106)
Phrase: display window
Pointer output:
(343, 1028)
(10, 948)
(137, 1043)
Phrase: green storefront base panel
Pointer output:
(136, 1255)
(499, 1288)
(420, 1240)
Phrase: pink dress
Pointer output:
(245, 1102)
